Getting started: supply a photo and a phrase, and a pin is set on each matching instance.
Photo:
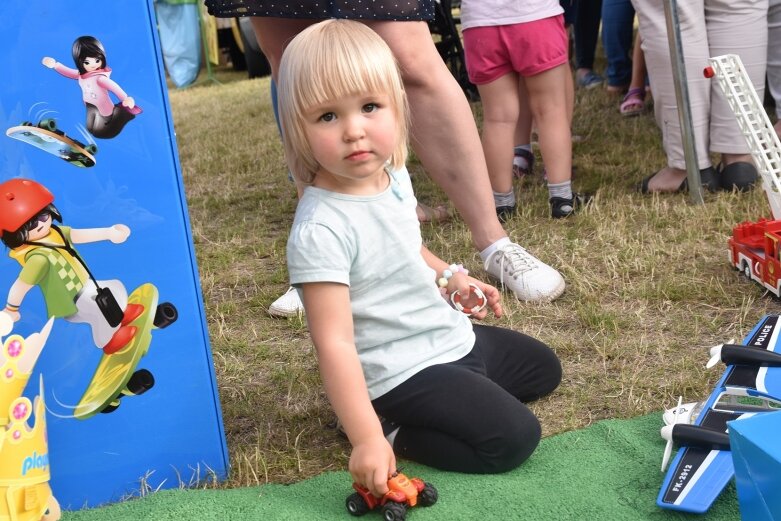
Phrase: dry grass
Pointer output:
(648, 283)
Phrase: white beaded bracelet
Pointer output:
(449, 272)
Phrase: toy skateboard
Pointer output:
(116, 375)
(48, 138)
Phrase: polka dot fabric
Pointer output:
(399, 10)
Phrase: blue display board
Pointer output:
(106, 153)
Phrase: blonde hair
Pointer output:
(328, 61)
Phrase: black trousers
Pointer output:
(468, 415)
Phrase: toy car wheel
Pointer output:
(356, 505)
(746, 270)
(394, 512)
(27, 124)
(165, 315)
(428, 496)
(48, 124)
(91, 149)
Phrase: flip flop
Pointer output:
(427, 214)
(633, 103)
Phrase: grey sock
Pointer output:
(504, 199)
(563, 190)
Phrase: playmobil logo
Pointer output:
(36, 461)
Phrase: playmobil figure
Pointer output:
(48, 260)
(105, 119)
(402, 493)
(450, 393)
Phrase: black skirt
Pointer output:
(400, 10)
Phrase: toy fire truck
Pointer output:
(754, 246)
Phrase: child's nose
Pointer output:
(353, 129)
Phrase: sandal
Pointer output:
(427, 214)
(525, 157)
(633, 103)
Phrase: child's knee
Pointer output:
(514, 446)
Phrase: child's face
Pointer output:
(92, 64)
(351, 139)
(42, 227)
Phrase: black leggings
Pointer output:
(467, 415)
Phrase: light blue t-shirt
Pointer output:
(372, 244)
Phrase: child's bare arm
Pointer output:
(330, 322)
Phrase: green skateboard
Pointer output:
(116, 375)
(48, 138)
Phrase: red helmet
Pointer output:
(20, 201)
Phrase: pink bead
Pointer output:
(9, 373)
(17, 435)
(14, 349)
(20, 410)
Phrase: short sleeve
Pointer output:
(35, 268)
(316, 253)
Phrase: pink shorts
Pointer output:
(526, 48)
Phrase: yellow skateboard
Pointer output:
(48, 138)
(116, 375)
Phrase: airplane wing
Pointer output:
(697, 476)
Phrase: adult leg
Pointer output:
(617, 28)
(273, 34)
(655, 45)
(442, 122)
(586, 31)
(501, 108)
(774, 56)
(737, 27)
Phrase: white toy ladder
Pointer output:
(753, 121)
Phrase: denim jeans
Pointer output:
(617, 25)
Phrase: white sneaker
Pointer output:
(528, 277)
(687, 413)
(288, 305)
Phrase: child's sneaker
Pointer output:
(523, 163)
(562, 207)
(288, 305)
(529, 278)
(687, 413)
(505, 213)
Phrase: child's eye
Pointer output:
(370, 107)
(328, 116)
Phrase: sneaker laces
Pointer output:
(518, 260)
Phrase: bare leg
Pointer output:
(523, 130)
(273, 34)
(442, 123)
(547, 98)
(638, 66)
(500, 118)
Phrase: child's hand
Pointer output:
(493, 299)
(49, 62)
(118, 233)
(371, 464)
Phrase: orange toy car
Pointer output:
(402, 493)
